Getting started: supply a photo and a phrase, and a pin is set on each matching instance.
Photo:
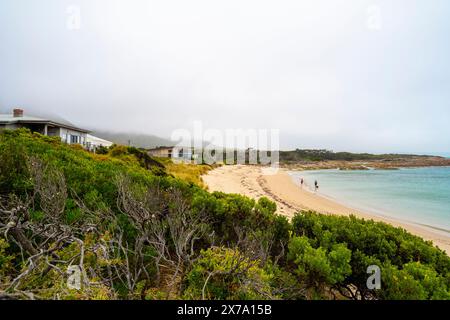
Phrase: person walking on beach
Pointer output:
(316, 185)
(301, 182)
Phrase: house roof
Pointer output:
(10, 119)
(91, 138)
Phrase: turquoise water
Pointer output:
(419, 195)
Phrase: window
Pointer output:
(74, 139)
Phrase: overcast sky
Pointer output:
(357, 75)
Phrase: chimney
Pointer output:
(17, 113)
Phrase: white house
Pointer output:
(181, 153)
(92, 142)
(68, 132)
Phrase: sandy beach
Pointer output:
(290, 198)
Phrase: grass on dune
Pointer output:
(186, 171)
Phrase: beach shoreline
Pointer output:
(290, 198)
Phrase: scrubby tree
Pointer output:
(222, 273)
(317, 267)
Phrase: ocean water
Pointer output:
(418, 195)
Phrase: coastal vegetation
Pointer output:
(188, 172)
(323, 154)
(325, 159)
(315, 159)
(139, 228)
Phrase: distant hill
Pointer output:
(324, 155)
(136, 140)
(326, 159)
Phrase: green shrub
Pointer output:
(261, 255)
(394, 250)
(222, 273)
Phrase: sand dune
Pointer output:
(290, 198)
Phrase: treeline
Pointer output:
(253, 156)
(135, 231)
(299, 155)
